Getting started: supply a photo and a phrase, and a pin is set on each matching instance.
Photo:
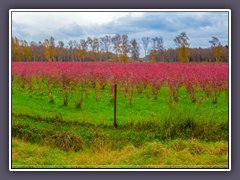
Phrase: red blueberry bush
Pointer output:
(211, 78)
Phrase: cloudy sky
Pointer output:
(199, 26)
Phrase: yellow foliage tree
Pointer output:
(217, 48)
(123, 58)
(153, 55)
(217, 53)
(182, 42)
(16, 50)
(49, 51)
(183, 54)
(52, 52)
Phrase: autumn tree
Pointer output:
(52, 48)
(116, 48)
(26, 51)
(152, 55)
(181, 42)
(46, 49)
(16, 50)
(49, 49)
(217, 48)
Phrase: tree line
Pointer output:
(117, 48)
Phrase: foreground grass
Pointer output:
(151, 132)
(173, 154)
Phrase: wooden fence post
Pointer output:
(115, 105)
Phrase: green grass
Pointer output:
(151, 132)
(143, 108)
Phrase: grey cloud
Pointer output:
(72, 30)
(20, 30)
(199, 28)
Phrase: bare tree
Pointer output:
(95, 45)
(60, 51)
(106, 40)
(215, 42)
(158, 47)
(52, 48)
(145, 41)
(159, 43)
(134, 49)
(84, 44)
(84, 47)
(90, 43)
(124, 47)
(76, 48)
(116, 40)
(70, 44)
(182, 40)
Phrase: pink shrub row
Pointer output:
(211, 78)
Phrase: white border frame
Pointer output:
(121, 10)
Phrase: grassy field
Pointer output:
(151, 131)
(172, 154)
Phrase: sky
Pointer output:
(65, 26)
